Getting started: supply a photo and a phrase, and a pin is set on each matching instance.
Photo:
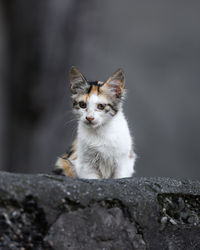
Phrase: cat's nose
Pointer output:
(89, 118)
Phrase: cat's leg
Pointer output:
(65, 167)
(87, 172)
(125, 167)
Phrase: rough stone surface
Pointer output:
(56, 212)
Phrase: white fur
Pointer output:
(59, 163)
(103, 146)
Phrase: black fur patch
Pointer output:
(94, 83)
(75, 104)
(114, 109)
(90, 88)
(58, 171)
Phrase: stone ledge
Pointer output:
(56, 212)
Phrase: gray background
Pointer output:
(157, 43)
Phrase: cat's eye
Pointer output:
(82, 104)
(100, 106)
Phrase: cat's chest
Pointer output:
(105, 146)
(100, 155)
(110, 142)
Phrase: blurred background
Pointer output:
(157, 43)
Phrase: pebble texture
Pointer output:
(56, 212)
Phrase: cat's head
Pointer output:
(96, 103)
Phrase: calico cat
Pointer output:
(103, 147)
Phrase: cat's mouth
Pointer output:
(91, 124)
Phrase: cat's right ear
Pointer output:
(79, 84)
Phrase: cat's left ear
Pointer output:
(116, 84)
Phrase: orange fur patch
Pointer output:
(94, 90)
(68, 168)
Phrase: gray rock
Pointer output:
(56, 212)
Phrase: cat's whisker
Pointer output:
(74, 130)
(70, 121)
(68, 112)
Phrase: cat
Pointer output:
(103, 147)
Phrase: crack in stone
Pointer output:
(179, 209)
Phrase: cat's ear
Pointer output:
(116, 84)
(78, 82)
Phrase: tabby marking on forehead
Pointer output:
(95, 87)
